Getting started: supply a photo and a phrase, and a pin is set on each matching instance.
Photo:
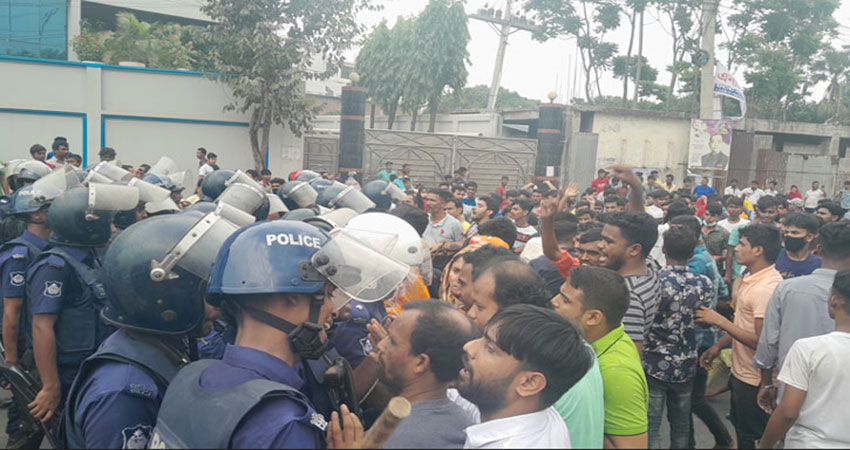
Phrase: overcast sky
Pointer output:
(534, 68)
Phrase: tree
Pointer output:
(588, 24)
(777, 42)
(265, 48)
(833, 67)
(440, 58)
(682, 17)
(378, 64)
(476, 98)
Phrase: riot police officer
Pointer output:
(154, 297)
(273, 278)
(15, 256)
(65, 290)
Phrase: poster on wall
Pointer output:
(710, 144)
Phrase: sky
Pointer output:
(535, 68)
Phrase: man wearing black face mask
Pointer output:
(799, 232)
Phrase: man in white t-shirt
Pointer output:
(209, 167)
(734, 208)
(813, 196)
(752, 193)
(519, 214)
(812, 413)
(511, 379)
(732, 189)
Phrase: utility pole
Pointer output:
(706, 92)
(509, 25)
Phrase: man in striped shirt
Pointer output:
(628, 238)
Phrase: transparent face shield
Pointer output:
(181, 180)
(110, 197)
(165, 166)
(162, 206)
(149, 192)
(93, 177)
(112, 171)
(52, 185)
(414, 254)
(243, 178)
(300, 192)
(197, 250)
(333, 219)
(394, 192)
(357, 269)
(244, 197)
(276, 205)
(12, 166)
(352, 198)
(32, 170)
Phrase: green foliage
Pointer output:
(647, 72)
(266, 48)
(89, 45)
(476, 98)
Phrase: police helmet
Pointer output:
(297, 194)
(307, 175)
(383, 193)
(339, 195)
(201, 206)
(29, 171)
(82, 216)
(215, 183)
(155, 270)
(25, 201)
(301, 214)
(320, 184)
(30, 199)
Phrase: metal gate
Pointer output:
(321, 153)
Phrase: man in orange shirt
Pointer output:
(758, 249)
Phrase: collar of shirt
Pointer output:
(759, 276)
(265, 365)
(677, 268)
(603, 344)
(33, 239)
(507, 432)
(438, 224)
(77, 253)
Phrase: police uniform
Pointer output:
(351, 338)
(15, 257)
(115, 398)
(63, 281)
(261, 393)
(213, 344)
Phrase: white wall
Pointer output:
(485, 124)
(143, 114)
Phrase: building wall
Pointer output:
(481, 124)
(142, 113)
(641, 141)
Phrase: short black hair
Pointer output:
(516, 282)
(265, 172)
(253, 173)
(146, 166)
(565, 230)
(659, 194)
(471, 184)
(604, 290)
(37, 148)
(588, 226)
(74, 156)
(543, 341)
(211, 155)
(765, 236)
(714, 209)
(676, 209)
(203, 151)
(277, 180)
(525, 205)
(689, 221)
(59, 140)
(505, 177)
(734, 201)
(444, 195)
(513, 193)
(443, 183)
(457, 202)
(586, 212)
(416, 217)
(803, 221)
(458, 187)
(841, 288)
(500, 227)
(766, 201)
(680, 242)
(592, 235)
(441, 337)
(492, 202)
(833, 207)
(106, 151)
(482, 258)
(835, 240)
(637, 227)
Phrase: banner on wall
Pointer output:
(726, 85)
(710, 144)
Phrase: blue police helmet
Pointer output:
(307, 175)
(25, 201)
(267, 258)
(173, 305)
(71, 225)
(320, 184)
(376, 191)
(201, 206)
(215, 183)
(153, 178)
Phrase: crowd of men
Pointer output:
(246, 311)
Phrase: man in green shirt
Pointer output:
(597, 299)
(387, 171)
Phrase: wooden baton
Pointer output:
(397, 410)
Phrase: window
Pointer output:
(34, 28)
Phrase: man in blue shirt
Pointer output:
(704, 189)
(799, 232)
(670, 351)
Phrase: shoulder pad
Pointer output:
(19, 252)
(55, 261)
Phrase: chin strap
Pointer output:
(304, 338)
